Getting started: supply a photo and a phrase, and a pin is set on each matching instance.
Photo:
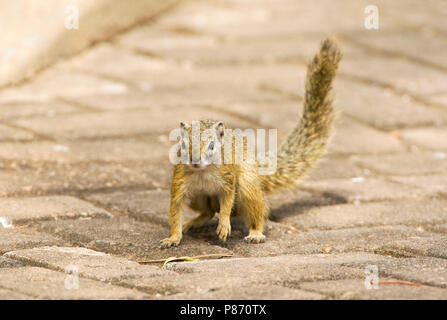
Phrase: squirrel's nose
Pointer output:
(196, 165)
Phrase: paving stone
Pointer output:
(32, 109)
(90, 264)
(266, 114)
(61, 82)
(184, 285)
(441, 228)
(214, 19)
(424, 270)
(355, 289)
(363, 189)
(14, 239)
(159, 41)
(102, 60)
(6, 294)
(267, 19)
(47, 284)
(120, 102)
(155, 120)
(395, 72)
(350, 136)
(183, 94)
(161, 174)
(285, 238)
(208, 50)
(191, 54)
(434, 184)
(271, 292)
(9, 263)
(147, 205)
(384, 108)
(415, 213)
(424, 18)
(22, 210)
(282, 238)
(337, 168)
(50, 178)
(328, 241)
(273, 79)
(272, 263)
(231, 90)
(197, 276)
(291, 200)
(378, 107)
(431, 138)
(422, 45)
(187, 85)
(439, 99)
(125, 237)
(117, 150)
(405, 163)
(13, 134)
(435, 246)
(155, 79)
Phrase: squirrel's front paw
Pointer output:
(223, 230)
(169, 242)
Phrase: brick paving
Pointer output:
(84, 170)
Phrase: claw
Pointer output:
(169, 242)
(223, 231)
(255, 238)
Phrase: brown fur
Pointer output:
(238, 188)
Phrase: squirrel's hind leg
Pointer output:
(206, 206)
(253, 208)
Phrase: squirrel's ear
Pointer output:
(220, 129)
(184, 125)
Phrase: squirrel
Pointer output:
(238, 189)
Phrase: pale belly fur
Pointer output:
(203, 182)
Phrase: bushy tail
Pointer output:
(307, 142)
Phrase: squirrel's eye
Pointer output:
(211, 145)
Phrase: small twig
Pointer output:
(212, 255)
(407, 283)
